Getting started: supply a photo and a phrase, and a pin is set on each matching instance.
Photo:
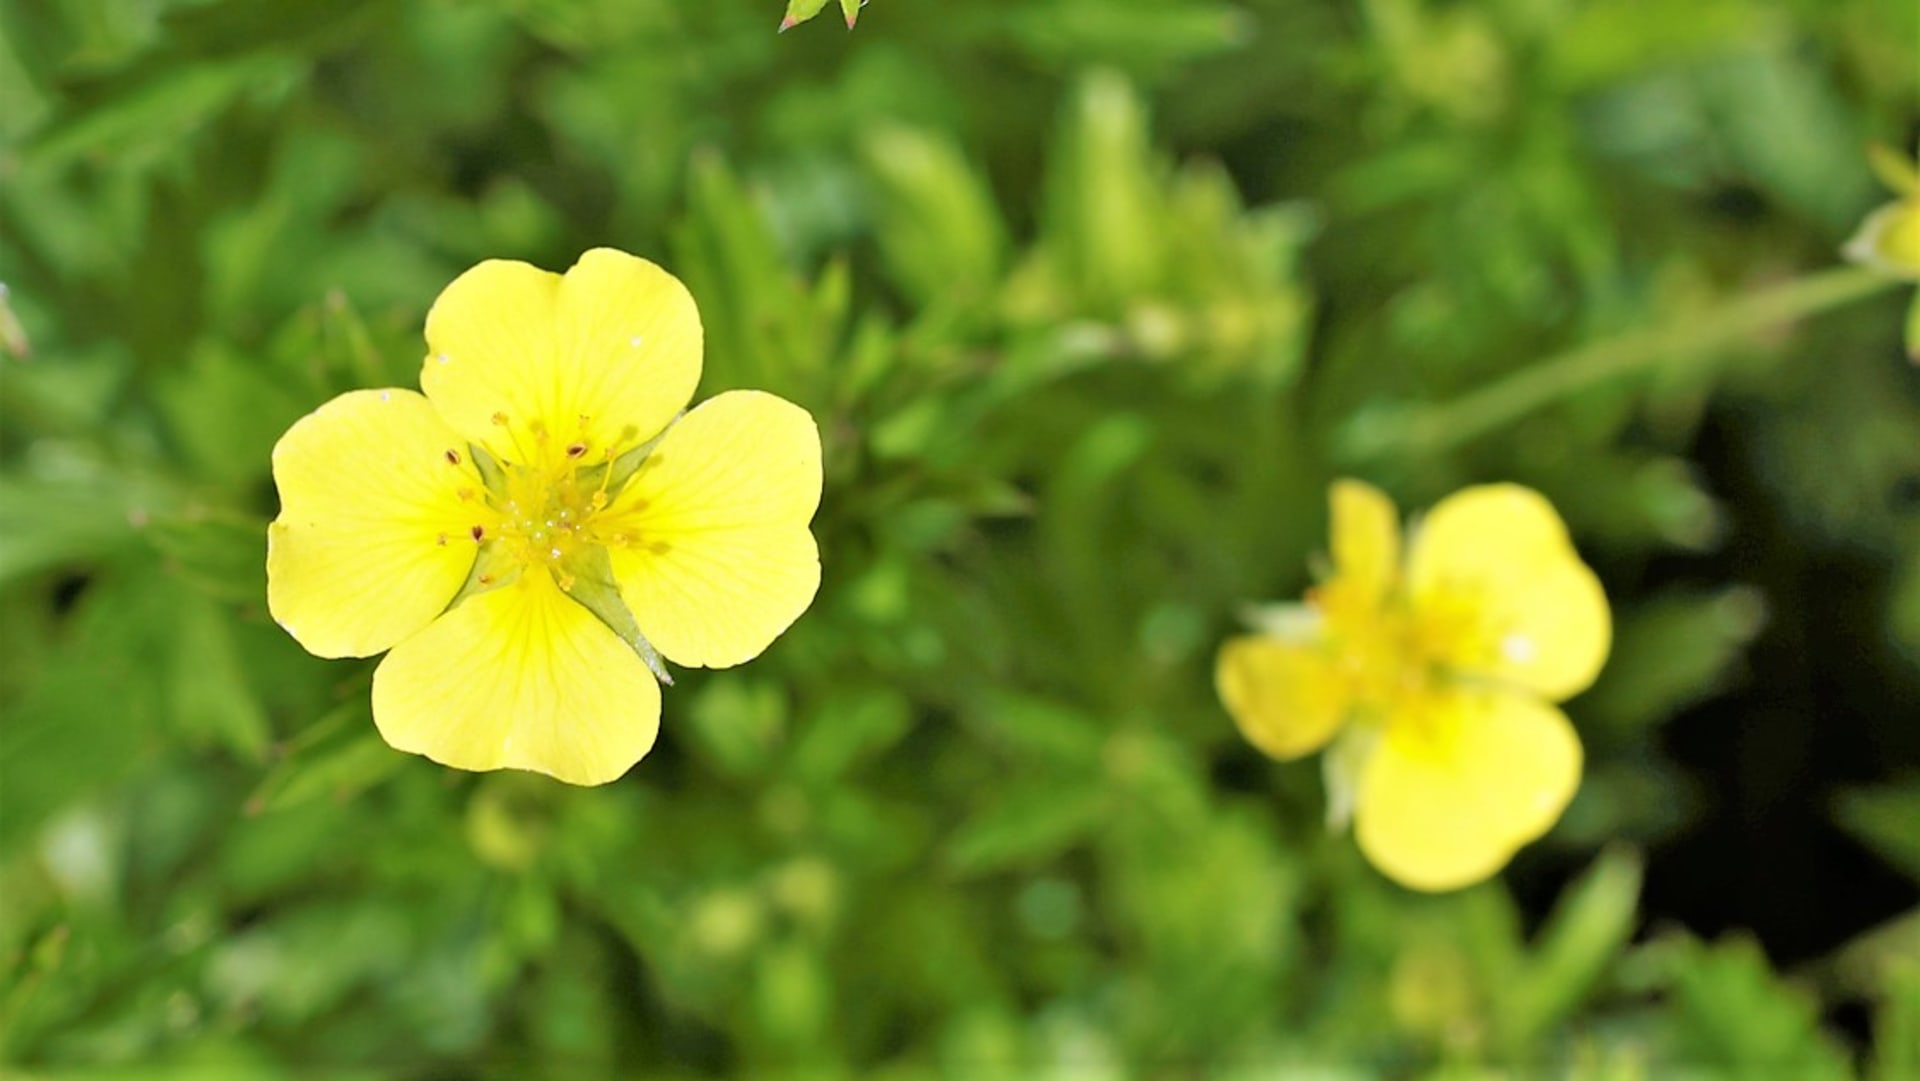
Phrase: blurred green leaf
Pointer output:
(1590, 925)
(739, 723)
(1026, 825)
(1884, 818)
(1670, 653)
(335, 757)
(221, 553)
(1734, 1015)
(937, 225)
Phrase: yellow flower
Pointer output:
(1889, 238)
(525, 534)
(1436, 676)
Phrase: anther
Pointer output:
(441, 540)
(576, 450)
(485, 579)
(478, 533)
(500, 419)
(453, 456)
(598, 501)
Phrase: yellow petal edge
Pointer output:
(723, 561)
(371, 541)
(1365, 538)
(1447, 802)
(1286, 698)
(532, 364)
(520, 677)
(1501, 553)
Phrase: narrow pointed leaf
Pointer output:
(799, 11)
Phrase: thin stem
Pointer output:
(1432, 427)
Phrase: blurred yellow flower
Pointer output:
(525, 534)
(1434, 678)
(1889, 239)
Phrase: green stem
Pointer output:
(1433, 427)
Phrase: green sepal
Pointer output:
(594, 589)
(491, 473)
(799, 11)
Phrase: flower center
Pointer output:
(544, 520)
(543, 510)
(1394, 653)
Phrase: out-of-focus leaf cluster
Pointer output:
(1090, 299)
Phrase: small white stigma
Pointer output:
(1518, 648)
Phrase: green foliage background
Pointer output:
(1091, 299)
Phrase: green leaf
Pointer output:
(1897, 1026)
(1589, 927)
(848, 728)
(94, 714)
(1912, 335)
(1026, 825)
(1885, 818)
(938, 227)
(799, 11)
(1732, 1013)
(739, 721)
(1670, 653)
(335, 757)
(219, 552)
(57, 524)
(13, 336)
(1894, 169)
(211, 699)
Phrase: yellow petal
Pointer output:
(519, 677)
(1447, 797)
(1366, 539)
(720, 560)
(531, 364)
(1286, 697)
(372, 539)
(1501, 592)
